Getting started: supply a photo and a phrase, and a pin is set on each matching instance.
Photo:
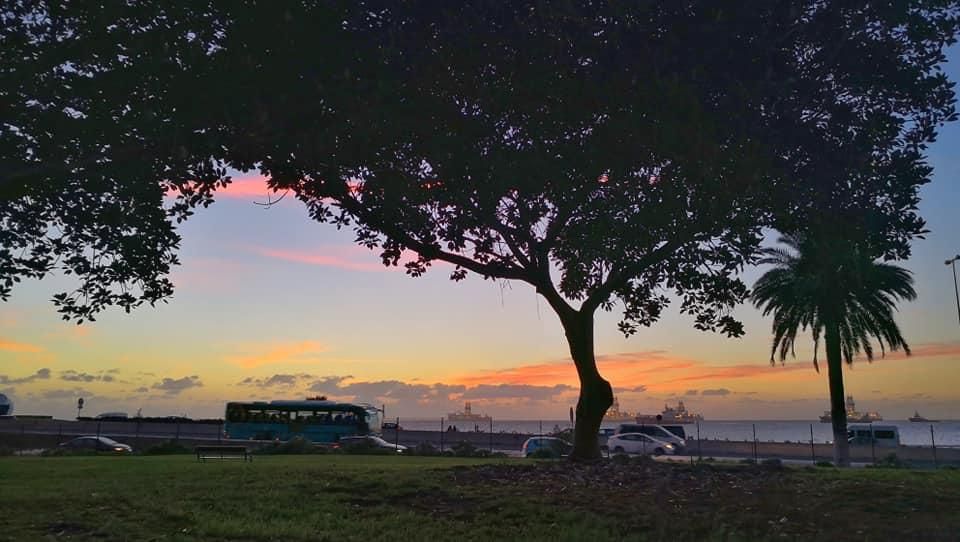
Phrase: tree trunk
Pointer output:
(596, 395)
(838, 407)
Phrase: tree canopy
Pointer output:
(724, 107)
(605, 154)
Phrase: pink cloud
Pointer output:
(660, 371)
(351, 257)
(12, 346)
(331, 257)
(254, 187)
(653, 370)
(249, 187)
(280, 354)
(932, 350)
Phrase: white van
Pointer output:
(887, 436)
(655, 431)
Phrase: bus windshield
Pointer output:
(316, 420)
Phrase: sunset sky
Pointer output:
(271, 305)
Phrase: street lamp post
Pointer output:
(952, 262)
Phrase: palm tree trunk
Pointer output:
(838, 407)
(596, 395)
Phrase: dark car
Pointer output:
(548, 446)
(98, 444)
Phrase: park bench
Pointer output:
(223, 452)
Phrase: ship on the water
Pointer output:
(614, 414)
(680, 414)
(852, 414)
(467, 416)
(918, 418)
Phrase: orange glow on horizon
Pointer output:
(11, 346)
(660, 372)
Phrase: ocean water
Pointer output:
(945, 433)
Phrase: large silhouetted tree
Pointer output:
(96, 126)
(605, 155)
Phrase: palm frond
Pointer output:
(810, 276)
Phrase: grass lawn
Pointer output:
(335, 497)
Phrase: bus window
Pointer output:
(236, 414)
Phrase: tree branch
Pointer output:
(620, 276)
(432, 251)
(507, 234)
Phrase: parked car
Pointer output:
(390, 425)
(556, 447)
(656, 431)
(602, 437)
(99, 444)
(639, 443)
(370, 441)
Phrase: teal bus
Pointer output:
(318, 420)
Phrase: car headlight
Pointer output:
(118, 449)
(669, 446)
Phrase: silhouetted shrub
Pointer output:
(823, 464)
(424, 448)
(294, 446)
(643, 459)
(620, 458)
(168, 447)
(772, 463)
(891, 461)
(543, 453)
(60, 452)
(6, 450)
(464, 449)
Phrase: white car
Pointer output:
(370, 441)
(638, 443)
(656, 431)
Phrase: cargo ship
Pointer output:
(852, 415)
(468, 416)
(614, 414)
(670, 415)
(918, 418)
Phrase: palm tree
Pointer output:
(837, 290)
